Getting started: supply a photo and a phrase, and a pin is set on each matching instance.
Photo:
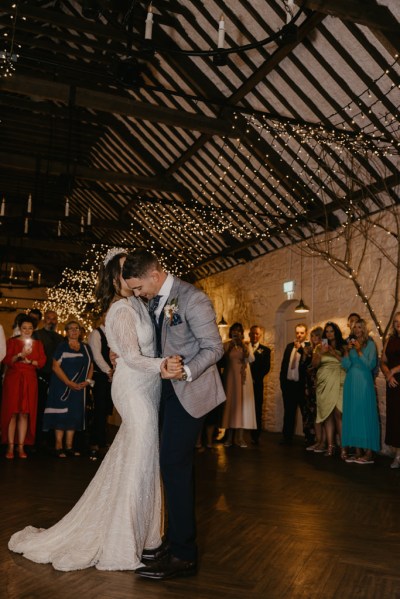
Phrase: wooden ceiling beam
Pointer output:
(312, 217)
(282, 52)
(389, 40)
(50, 167)
(47, 245)
(64, 21)
(363, 12)
(115, 104)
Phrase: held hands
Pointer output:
(324, 348)
(77, 386)
(172, 368)
(235, 343)
(391, 381)
(354, 343)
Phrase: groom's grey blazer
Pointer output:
(196, 338)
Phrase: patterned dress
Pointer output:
(65, 408)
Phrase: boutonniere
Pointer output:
(259, 351)
(171, 312)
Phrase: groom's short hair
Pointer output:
(138, 264)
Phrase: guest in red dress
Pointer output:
(20, 390)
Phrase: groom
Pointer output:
(184, 321)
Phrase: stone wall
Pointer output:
(253, 294)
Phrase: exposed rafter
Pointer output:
(364, 12)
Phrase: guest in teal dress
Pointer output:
(72, 373)
(360, 411)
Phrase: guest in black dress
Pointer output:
(390, 366)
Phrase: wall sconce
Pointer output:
(288, 288)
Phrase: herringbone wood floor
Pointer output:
(274, 523)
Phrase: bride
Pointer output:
(119, 514)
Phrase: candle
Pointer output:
(39, 278)
(289, 6)
(11, 272)
(149, 23)
(89, 217)
(3, 207)
(31, 276)
(221, 32)
(66, 207)
(26, 225)
(29, 208)
(59, 229)
(82, 224)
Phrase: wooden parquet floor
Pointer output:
(274, 523)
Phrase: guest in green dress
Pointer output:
(330, 378)
(360, 411)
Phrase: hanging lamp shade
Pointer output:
(222, 322)
(301, 307)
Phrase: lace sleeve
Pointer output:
(122, 338)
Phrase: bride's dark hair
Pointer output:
(108, 281)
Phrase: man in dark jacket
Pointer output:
(292, 382)
(259, 369)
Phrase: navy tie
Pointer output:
(153, 307)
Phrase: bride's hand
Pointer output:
(113, 358)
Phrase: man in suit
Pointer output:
(292, 382)
(185, 325)
(259, 369)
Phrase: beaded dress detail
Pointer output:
(119, 514)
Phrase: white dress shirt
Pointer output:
(165, 293)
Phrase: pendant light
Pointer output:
(301, 307)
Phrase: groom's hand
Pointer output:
(172, 368)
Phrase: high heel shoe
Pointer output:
(21, 452)
(330, 452)
(394, 464)
(343, 454)
(10, 451)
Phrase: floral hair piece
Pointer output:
(112, 252)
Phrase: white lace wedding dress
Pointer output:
(120, 512)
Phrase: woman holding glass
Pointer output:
(20, 389)
(330, 378)
(360, 411)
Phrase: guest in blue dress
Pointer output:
(72, 374)
(360, 411)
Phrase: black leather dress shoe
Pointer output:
(154, 555)
(169, 567)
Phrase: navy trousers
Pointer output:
(179, 432)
